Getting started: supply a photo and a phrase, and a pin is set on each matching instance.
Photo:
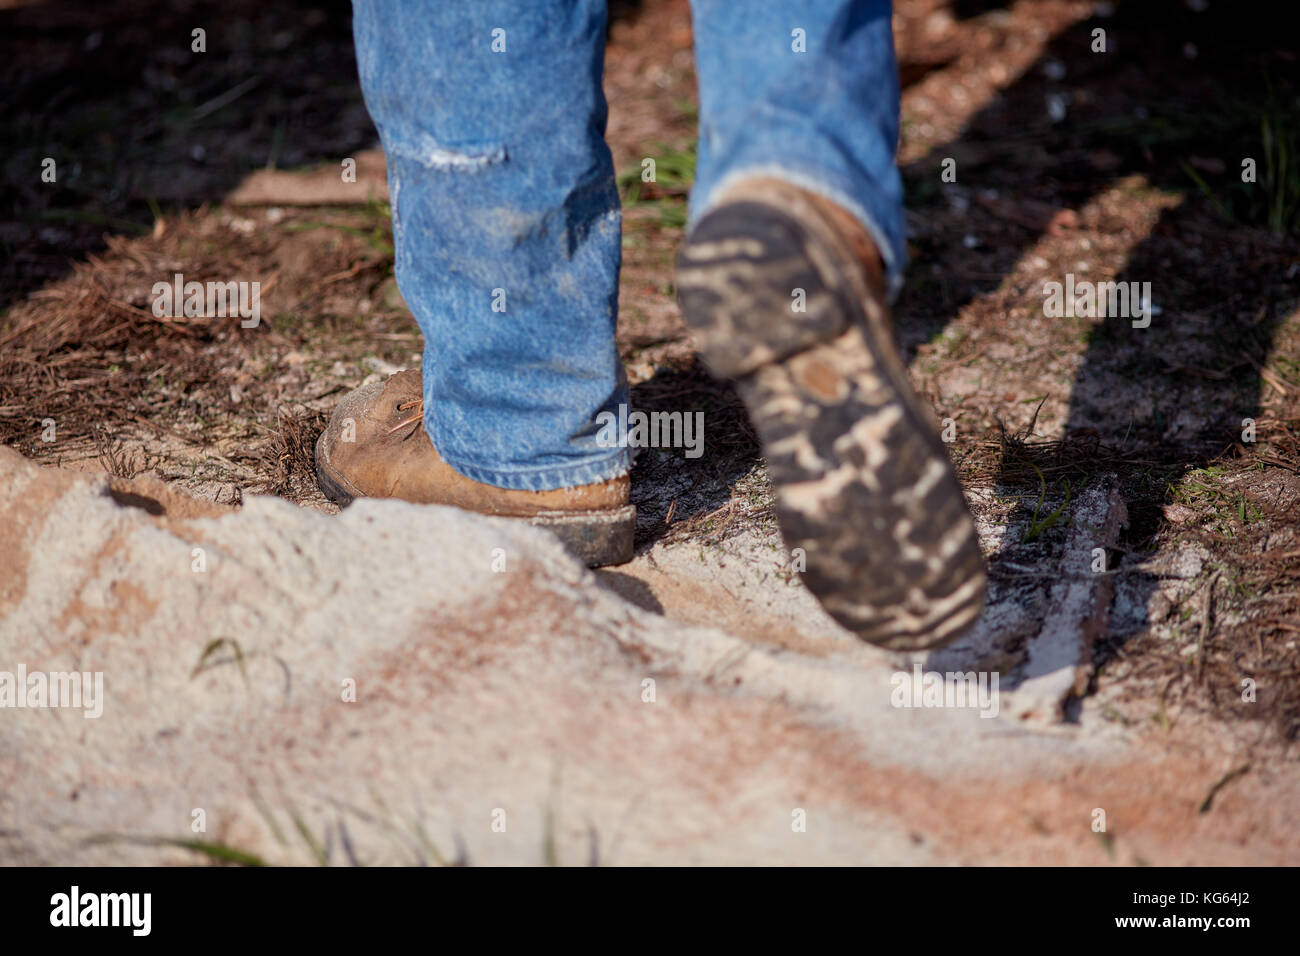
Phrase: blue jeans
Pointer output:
(506, 218)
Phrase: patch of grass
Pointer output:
(214, 645)
(674, 174)
(1276, 201)
(1037, 524)
(314, 845)
(376, 230)
(214, 852)
(1265, 130)
(1226, 509)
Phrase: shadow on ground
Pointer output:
(1174, 106)
(142, 127)
(138, 122)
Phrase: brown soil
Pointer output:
(1068, 161)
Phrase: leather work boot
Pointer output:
(375, 446)
(864, 484)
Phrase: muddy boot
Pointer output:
(864, 484)
(375, 446)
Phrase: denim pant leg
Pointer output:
(806, 92)
(506, 227)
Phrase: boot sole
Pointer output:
(865, 487)
(598, 538)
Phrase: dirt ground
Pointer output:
(1122, 165)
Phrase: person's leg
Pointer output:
(506, 227)
(797, 236)
(807, 93)
(506, 230)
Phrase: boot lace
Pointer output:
(416, 418)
